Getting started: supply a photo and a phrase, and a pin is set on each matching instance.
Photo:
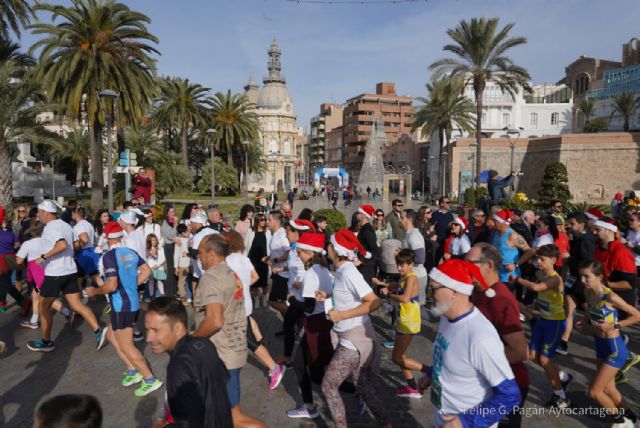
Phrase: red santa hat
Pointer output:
(346, 244)
(311, 242)
(459, 275)
(113, 230)
(594, 214)
(462, 222)
(503, 216)
(367, 210)
(302, 225)
(606, 224)
(1, 214)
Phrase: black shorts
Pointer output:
(279, 288)
(252, 343)
(122, 320)
(53, 285)
(577, 293)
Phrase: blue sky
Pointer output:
(334, 52)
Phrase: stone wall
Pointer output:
(599, 165)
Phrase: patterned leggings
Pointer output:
(344, 363)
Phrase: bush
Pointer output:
(471, 195)
(335, 219)
(595, 126)
(582, 207)
(521, 204)
(226, 178)
(554, 185)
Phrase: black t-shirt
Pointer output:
(367, 237)
(581, 249)
(441, 221)
(196, 385)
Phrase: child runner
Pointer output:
(549, 324)
(611, 352)
(409, 321)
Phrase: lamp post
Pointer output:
(512, 145)
(473, 165)
(113, 97)
(424, 168)
(212, 132)
(444, 173)
(246, 145)
(273, 155)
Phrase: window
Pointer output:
(287, 147)
(555, 119)
(484, 118)
(506, 119)
(273, 146)
(533, 120)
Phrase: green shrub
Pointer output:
(582, 207)
(554, 185)
(519, 203)
(335, 219)
(595, 126)
(472, 195)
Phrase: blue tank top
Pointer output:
(509, 255)
(601, 312)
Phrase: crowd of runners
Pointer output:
(482, 279)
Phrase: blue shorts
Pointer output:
(612, 352)
(233, 387)
(546, 335)
(87, 261)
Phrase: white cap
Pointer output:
(198, 218)
(49, 206)
(129, 217)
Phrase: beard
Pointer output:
(440, 308)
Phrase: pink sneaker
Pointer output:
(275, 377)
(409, 392)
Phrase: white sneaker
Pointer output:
(628, 423)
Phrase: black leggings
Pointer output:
(289, 326)
(7, 287)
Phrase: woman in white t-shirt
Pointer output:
(546, 232)
(357, 355)
(243, 268)
(315, 350)
(460, 244)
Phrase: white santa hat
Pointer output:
(346, 244)
(459, 275)
(198, 218)
(130, 216)
(606, 225)
(49, 206)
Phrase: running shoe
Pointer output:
(567, 381)
(408, 392)
(138, 336)
(360, 404)
(632, 360)
(620, 378)
(29, 324)
(303, 412)
(389, 345)
(624, 423)
(147, 388)
(560, 403)
(275, 377)
(101, 338)
(129, 380)
(563, 348)
(41, 345)
(26, 306)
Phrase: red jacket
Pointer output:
(142, 186)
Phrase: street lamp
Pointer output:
(212, 132)
(473, 165)
(246, 145)
(273, 155)
(512, 145)
(424, 168)
(113, 97)
(444, 173)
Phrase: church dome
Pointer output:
(272, 96)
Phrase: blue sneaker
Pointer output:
(389, 345)
(41, 345)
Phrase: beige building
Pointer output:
(330, 118)
(279, 131)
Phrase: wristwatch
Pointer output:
(43, 257)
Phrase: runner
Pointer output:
(257, 248)
(550, 322)
(471, 382)
(221, 317)
(242, 267)
(620, 269)
(406, 293)
(60, 277)
(414, 241)
(124, 270)
(357, 354)
(196, 376)
(315, 349)
(277, 259)
(199, 232)
(460, 244)
(611, 352)
(513, 248)
(85, 255)
(500, 307)
(367, 237)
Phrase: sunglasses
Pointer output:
(428, 212)
(262, 219)
(379, 215)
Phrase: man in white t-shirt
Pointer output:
(85, 255)
(471, 381)
(60, 274)
(199, 231)
(277, 259)
(133, 236)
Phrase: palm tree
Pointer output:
(480, 48)
(625, 104)
(74, 146)
(587, 107)
(444, 107)
(13, 15)
(143, 141)
(182, 105)
(96, 45)
(20, 103)
(11, 51)
(235, 122)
